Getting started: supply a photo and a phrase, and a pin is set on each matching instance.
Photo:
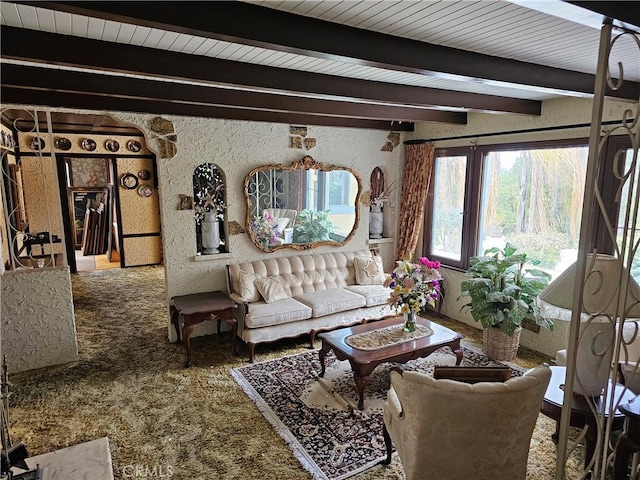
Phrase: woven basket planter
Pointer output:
(500, 346)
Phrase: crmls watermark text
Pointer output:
(147, 471)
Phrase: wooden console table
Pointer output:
(198, 307)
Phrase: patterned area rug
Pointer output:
(332, 439)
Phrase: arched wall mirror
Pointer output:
(301, 206)
(210, 206)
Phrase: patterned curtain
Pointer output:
(415, 185)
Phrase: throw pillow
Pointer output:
(271, 289)
(248, 290)
(369, 270)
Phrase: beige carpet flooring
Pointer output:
(129, 385)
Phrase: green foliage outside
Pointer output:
(547, 247)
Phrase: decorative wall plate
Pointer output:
(37, 143)
(145, 191)
(88, 145)
(63, 143)
(112, 145)
(129, 180)
(144, 174)
(134, 146)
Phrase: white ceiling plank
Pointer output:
(63, 23)
(193, 44)
(229, 51)
(240, 52)
(428, 14)
(153, 38)
(248, 54)
(262, 56)
(273, 60)
(204, 48)
(179, 42)
(167, 40)
(46, 20)
(140, 35)
(407, 20)
(125, 33)
(79, 25)
(110, 31)
(28, 16)
(217, 49)
(319, 9)
(95, 29)
(10, 14)
(387, 9)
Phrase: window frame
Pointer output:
(473, 190)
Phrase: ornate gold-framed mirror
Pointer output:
(302, 206)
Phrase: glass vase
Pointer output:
(410, 322)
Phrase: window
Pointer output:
(529, 195)
(448, 206)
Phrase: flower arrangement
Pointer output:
(414, 285)
(265, 229)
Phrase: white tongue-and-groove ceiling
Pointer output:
(358, 63)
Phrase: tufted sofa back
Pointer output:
(297, 274)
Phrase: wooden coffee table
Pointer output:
(363, 362)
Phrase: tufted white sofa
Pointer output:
(306, 293)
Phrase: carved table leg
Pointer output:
(459, 356)
(186, 333)
(175, 319)
(361, 383)
(323, 353)
(234, 332)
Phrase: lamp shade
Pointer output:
(603, 280)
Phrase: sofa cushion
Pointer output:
(369, 270)
(329, 301)
(287, 310)
(271, 289)
(374, 294)
(248, 289)
(304, 273)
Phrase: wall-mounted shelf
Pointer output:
(375, 241)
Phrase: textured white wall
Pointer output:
(38, 326)
(237, 147)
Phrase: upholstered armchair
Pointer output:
(450, 430)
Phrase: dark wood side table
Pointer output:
(581, 413)
(629, 442)
(198, 307)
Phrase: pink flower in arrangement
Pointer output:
(429, 263)
(414, 285)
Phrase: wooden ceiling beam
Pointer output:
(26, 96)
(42, 47)
(625, 12)
(249, 24)
(139, 89)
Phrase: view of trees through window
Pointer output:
(533, 199)
(448, 206)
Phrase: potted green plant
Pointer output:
(502, 294)
(312, 227)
